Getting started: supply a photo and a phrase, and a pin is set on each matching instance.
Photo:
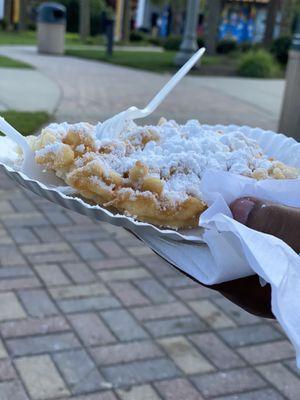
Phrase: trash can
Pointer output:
(51, 18)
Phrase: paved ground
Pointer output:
(151, 49)
(97, 90)
(88, 313)
(27, 90)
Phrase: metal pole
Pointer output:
(109, 37)
(290, 113)
(189, 42)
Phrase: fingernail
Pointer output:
(241, 208)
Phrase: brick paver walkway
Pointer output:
(87, 312)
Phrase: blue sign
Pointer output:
(237, 26)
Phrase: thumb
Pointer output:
(274, 219)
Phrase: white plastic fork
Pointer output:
(29, 167)
(113, 126)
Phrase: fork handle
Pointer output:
(155, 102)
(14, 135)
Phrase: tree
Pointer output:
(23, 15)
(286, 17)
(177, 9)
(84, 19)
(273, 8)
(212, 20)
(126, 20)
(7, 13)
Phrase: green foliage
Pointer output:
(258, 64)
(172, 43)
(226, 46)
(72, 14)
(97, 7)
(156, 41)
(27, 38)
(136, 36)
(200, 42)
(3, 23)
(280, 48)
(145, 60)
(30, 38)
(6, 62)
(25, 122)
(246, 46)
(95, 40)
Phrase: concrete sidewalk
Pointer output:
(27, 90)
(150, 49)
(98, 90)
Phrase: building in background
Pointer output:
(244, 21)
(241, 20)
(147, 15)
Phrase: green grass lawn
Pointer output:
(30, 38)
(151, 61)
(25, 122)
(6, 62)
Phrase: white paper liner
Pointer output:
(273, 260)
(233, 250)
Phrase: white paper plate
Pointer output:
(276, 145)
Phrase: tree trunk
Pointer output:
(271, 22)
(212, 20)
(84, 19)
(287, 10)
(23, 15)
(126, 20)
(177, 21)
(7, 14)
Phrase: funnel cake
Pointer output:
(152, 173)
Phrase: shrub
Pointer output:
(4, 24)
(280, 48)
(136, 36)
(156, 41)
(258, 64)
(200, 42)
(226, 46)
(144, 30)
(172, 43)
(246, 46)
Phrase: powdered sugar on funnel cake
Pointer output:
(151, 172)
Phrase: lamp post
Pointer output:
(189, 42)
(290, 113)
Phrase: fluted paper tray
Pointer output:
(222, 249)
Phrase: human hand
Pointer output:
(264, 216)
